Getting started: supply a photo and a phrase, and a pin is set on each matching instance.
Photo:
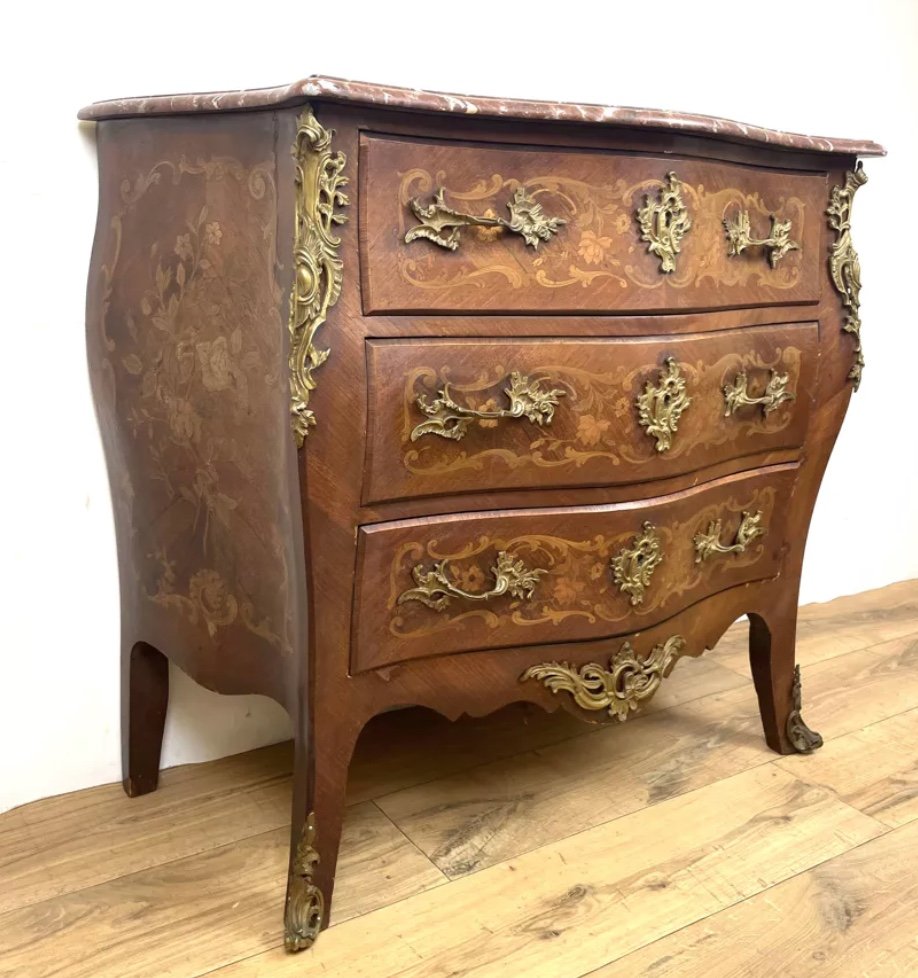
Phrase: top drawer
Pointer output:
(599, 260)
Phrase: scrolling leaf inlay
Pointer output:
(736, 395)
(318, 267)
(441, 224)
(708, 543)
(776, 245)
(633, 567)
(528, 399)
(305, 903)
(844, 265)
(660, 405)
(620, 689)
(664, 222)
(435, 587)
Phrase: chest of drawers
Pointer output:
(418, 399)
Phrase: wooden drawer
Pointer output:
(590, 431)
(575, 555)
(597, 261)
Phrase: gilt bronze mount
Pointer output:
(621, 689)
(441, 223)
(448, 419)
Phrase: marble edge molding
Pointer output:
(416, 100)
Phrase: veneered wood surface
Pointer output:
(577, 595)
(597, 261)
(595, 437)
(330, 705)
(184, 881)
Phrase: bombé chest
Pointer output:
(418, 399)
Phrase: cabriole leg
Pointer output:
(319, 787)
(777, 683)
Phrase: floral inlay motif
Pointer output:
(191, 368)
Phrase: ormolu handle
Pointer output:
(777, 244)
(435, 589)
(776, 393)
(709, 543)
(441, 224)
(448, 419)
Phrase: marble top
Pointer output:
(320, 87)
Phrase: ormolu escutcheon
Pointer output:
(660, 405)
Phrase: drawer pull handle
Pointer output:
(619, 690)
(633, 567)
(707, 544)
(661, 405)
(664, 222)
(776, 393)
(777, 244)
(441, 224)
(435, 589)
(446, 418)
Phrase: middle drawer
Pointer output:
(469, 415)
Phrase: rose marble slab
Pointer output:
(321, 87)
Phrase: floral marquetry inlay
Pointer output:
(193, 365)
(547, 578)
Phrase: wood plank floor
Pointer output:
(522, 844)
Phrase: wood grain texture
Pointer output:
(210, 908)
(596, 262)
(669, 848)
(222, 524)
(570, 906)
(853, 915)
(497, 811)
(576, 593)
(595, 436)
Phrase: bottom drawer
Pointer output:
(492, 580)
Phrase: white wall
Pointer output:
(836, 67)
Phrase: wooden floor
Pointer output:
(522, 844)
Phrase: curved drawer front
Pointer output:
(450, 416)
(518, 229)
(521, 577)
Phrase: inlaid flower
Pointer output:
(622, 223)
(593, 248)
(565, 591)
(597, 570)
(209, 592)
(216, 364)
(213, 232)
(184, 422)
(183, 247)
(590, 430)
(469, 578)
(489, 405)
